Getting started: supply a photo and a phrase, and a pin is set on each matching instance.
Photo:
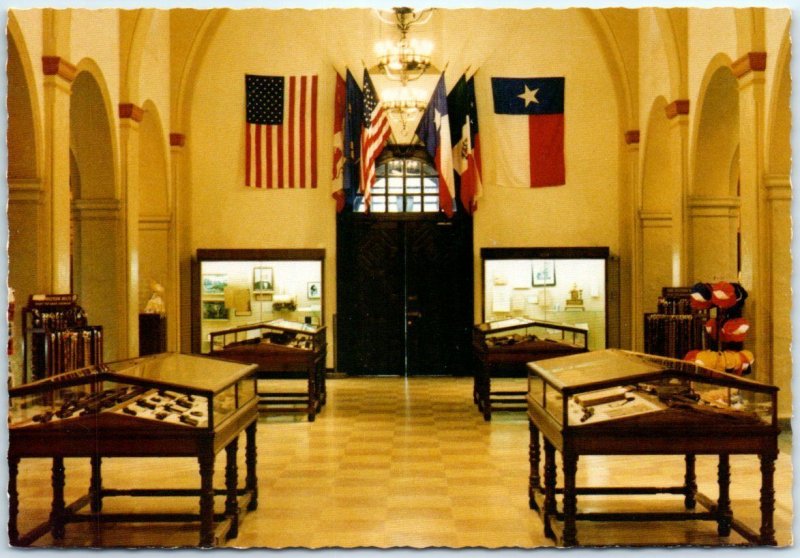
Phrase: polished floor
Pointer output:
(410, 463)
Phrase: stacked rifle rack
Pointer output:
(676, 328)
(56, 337)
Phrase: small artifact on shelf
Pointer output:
(575, 299)
(602, 396)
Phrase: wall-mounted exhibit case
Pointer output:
(565, 285)
(240, 287)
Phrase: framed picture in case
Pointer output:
(314, 290)
(543, 273)
(263, 280)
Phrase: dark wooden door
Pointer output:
(405, 297)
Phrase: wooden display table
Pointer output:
(280, 349)
(504, 347)
(667, 407)
(165, 405)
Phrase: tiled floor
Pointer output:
(402, 463)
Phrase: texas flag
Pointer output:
(537, 139)
(434, 131)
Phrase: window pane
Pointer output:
(395, 204)
(431, 204)
(379, 187)
(394, 167)
(396, 185)
(431, 185)
(412, 167)
(414, 204)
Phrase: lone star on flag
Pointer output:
(529, 96)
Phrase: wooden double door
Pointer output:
(405, 295)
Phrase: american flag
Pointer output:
(281, 134)
(374, 136)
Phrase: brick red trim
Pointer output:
(57, 66)
(680, 106)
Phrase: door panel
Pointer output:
(370, 303)
(439, 297)
(405, 296)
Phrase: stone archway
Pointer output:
(25, 219)
(714, 200)
(655, 214)
(98, 275)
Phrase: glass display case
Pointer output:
(164, 405)
(615, 402)
(503, 347)
(235, 288)
(615, 385)
(569, 285)
(280, 349)
(167, 388)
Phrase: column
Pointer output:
(130, 116)
(755, 272)
(179, 333)
(58, 77)
(630, 247)
(678, 114)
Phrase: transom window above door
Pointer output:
(402, 185)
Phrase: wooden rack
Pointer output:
(676, 328)
(56, 337)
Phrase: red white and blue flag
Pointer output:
(434, 131)
(374, 135)
(281, 131)
(538, 139)
(463, 114)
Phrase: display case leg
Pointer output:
(767, 531)
(690, 483)
(534, 481)
(251, 480)
(231, 480)
(486, 396)
(96, 485)
(312, 395)
(724, 513)
(58, 508)
(549, 487)
(13, 500)
(206, 461)
(570, 467)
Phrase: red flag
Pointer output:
(375, 134)
(338, 143)
(281, 131)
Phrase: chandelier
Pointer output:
(407, 59)
(404, 104)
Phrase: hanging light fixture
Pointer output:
(404, 61)
(403, 103)
(407, 59)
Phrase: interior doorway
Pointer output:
(405, 294)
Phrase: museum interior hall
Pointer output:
(399, 277)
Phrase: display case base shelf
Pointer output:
(289, 402)
(554, 522)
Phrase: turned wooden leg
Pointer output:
(251, 480)
(13, 500)
(206, 461)
(58, 508)
(724, 513)
(231, 480)
(96, 485)
(486, 395)
(690, 483)
(570, 466)
(767, 499)
(312, 394)
(549, 486)
(534, 481)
